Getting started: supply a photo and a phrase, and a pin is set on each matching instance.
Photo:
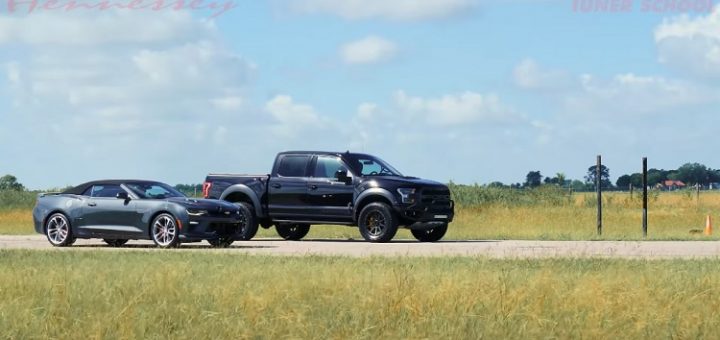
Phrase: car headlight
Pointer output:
(197, 212)
(407, 195)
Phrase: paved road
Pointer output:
(500, 249)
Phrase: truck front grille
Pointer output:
(437, 200)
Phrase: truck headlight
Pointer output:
(407, 195)
(196, 212)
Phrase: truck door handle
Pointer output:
(313, 187)
(92, 204)
(276, 186)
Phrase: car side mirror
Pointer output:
(342, 176)
(122, 196)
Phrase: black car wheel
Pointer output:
(292, 232)
(59, 231)
(248, 225)
(377, 223)
(115, 242)
(223, 242)
(164, 231)
(431, 235)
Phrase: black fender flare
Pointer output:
(247, 191)
(368, 195)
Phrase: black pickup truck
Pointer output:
(331, 188)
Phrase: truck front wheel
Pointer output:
(292, 232)
(430, 235)
(377, 223)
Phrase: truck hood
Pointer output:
(203, 204)
(410, 181)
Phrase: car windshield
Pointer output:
(366, 165)
(153, 190)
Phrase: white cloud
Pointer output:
(404, 10)
(529, 75)
(229, 103)
(632, 97)
(152, 88)
(457, 109)
(286, 111)
(691, 44)
(104, 28)
(369, 50)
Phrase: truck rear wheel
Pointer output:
(377, 223)
(430, 235)
(292, 232)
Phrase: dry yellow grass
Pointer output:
(189, 295)
(16, 222)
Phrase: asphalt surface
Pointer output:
(356, 248)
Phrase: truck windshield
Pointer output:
(365, 165)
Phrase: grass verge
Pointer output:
(165, 294)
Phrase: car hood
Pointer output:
(203, 204)
(412, 181)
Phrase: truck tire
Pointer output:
(292, 232)
(377, 223)
(430, 235)
(249, 227)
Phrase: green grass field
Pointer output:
(187, 294)
(504, 214)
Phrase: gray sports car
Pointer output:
(122, 210)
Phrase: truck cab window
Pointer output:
(293, 166)
(327, 166)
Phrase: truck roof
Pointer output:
(333, 153)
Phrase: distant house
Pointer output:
(673, 185)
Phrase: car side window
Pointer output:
(105, 191)
(327, 166)
(293, 166)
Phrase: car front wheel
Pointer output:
(164, 231)
(248, 224)
(377, 223)
(58, 231)
(430, 235)
(292, 232)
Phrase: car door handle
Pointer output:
(92, 204)
(313, 187)
(276, 186)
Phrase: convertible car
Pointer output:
(122, 210)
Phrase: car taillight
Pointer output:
(206, 189)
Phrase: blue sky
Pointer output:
(462, 90)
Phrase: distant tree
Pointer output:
(533, 179)
(496, 185)
(693, 173)
(655, 177)
(604, 176)
(9, 182)
(623, 181)
(580, 186)
(561, 178)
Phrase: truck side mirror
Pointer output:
(122, 196)
(342, 176)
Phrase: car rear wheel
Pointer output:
(115, 242)
(377, 223)
(58, 231)
(248, 225)
(164, 231)
(431, 235)
(292, 232)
